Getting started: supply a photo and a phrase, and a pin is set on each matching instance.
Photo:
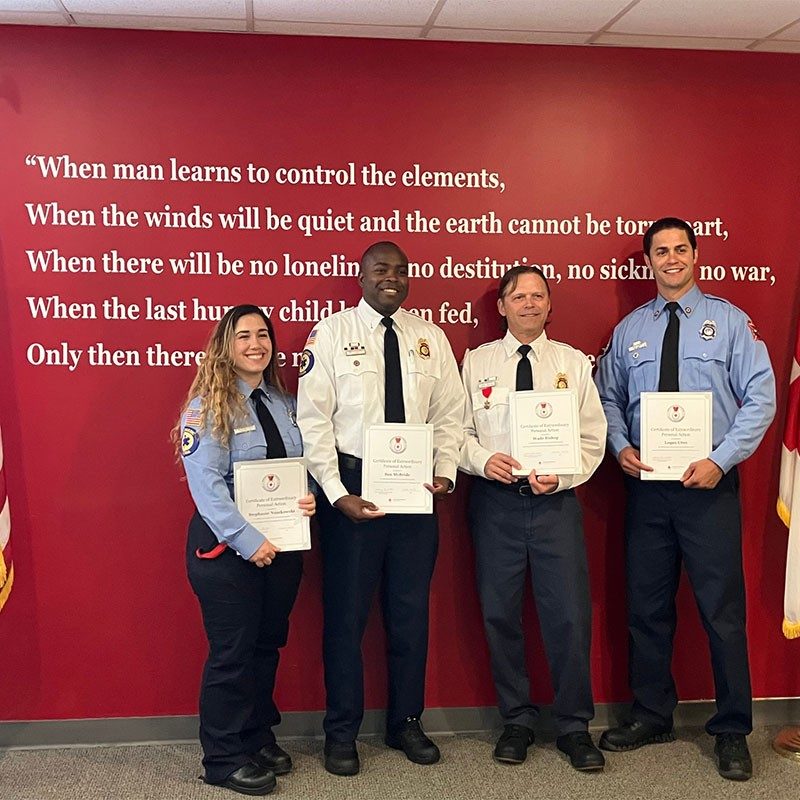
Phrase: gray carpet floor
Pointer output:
(683, 770)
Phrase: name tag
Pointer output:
(487, 382)
(246, 429)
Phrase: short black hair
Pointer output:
(376, 248)
(664, 224)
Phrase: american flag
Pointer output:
(789, 499)
(6, 566)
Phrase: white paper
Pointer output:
(545, 432)
(266, 494)
(675, 431)
(398, 462)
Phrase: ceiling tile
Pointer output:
(53, 6)
(216, 9)
(717, 18)
(778, 46)
(532, 15)
(159, 23)
(679, 42)
(329, 29)
(365, 12)
(28, 18)
(792, 32)
(524, 37)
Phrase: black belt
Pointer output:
(349, 462)
(521, 487)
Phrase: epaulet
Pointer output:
(719, 299)
(487, 344)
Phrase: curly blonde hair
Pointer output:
(215, 382)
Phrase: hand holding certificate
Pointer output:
(267, 493)
(675, 431)
(545, 432)
(398, 462)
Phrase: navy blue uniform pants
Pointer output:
(401, 550)
(513, 533)
(667, 524)
(246, 617)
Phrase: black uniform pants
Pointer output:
(667, 524)
(401, 549)
(246, 617)
(512, 533)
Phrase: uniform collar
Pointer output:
(372, 318)
(246, 391)
(688, 303)
(511, 344)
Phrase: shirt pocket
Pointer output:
(704, 365)
(492, 423)
(642, 371)
(355, 377)
(422, 375)
(248, 446)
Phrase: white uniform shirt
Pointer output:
(492, 370)
(341, 390)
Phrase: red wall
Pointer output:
(101, 621)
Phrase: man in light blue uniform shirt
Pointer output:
(685, 340)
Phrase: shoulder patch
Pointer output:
(752, 328)
(306, 362)
(311, 338)
(190, 441)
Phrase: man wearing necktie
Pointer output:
(532, 522)
(367, 365)
(688, 341)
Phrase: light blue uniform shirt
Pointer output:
(209, 463)
(718, 352)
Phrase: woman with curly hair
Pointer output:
(238, 409)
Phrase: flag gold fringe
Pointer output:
(791, 630)
(3, 571)
(784, 513)
(5, 590)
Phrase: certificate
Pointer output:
(545, 432)
(398, 462)
(675, 431)
(267, 492)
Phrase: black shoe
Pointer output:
(341, 758)
(411, 739)
(632, 735)
(733, 757)
(250, 779)
(580, 750)
(274, 758)
(512, 746)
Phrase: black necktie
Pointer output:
(524, 371)
(668, 376)
(394, 410)
(275, 445)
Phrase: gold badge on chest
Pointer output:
(561, 381)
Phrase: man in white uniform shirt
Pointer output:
(367, 365)
(533, 522)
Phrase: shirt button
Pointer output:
(636, 355)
